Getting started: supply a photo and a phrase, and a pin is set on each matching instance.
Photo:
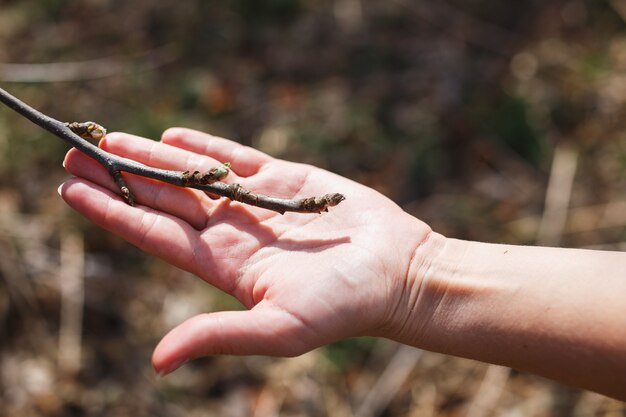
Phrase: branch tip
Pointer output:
(321, 204)
(127, 195)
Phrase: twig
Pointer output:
(86, 70)
(620, 8)
(390, 382)
(558, 195)
(489, 391)
(115, 165)
(580, 220)
(71, 282)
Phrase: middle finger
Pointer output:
(160, 155)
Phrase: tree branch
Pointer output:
(76, 134)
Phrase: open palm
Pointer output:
(307, 279)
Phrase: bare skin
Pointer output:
(365, 268)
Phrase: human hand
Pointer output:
(306, 279)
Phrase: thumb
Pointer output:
(264, 330)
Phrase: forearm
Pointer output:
(560, 313)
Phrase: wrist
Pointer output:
(420, 308)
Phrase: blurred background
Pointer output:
(490, 120)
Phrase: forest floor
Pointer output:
(493, 121)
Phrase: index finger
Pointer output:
(246, 161)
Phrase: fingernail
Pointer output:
(173, 366)
(59, 189)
